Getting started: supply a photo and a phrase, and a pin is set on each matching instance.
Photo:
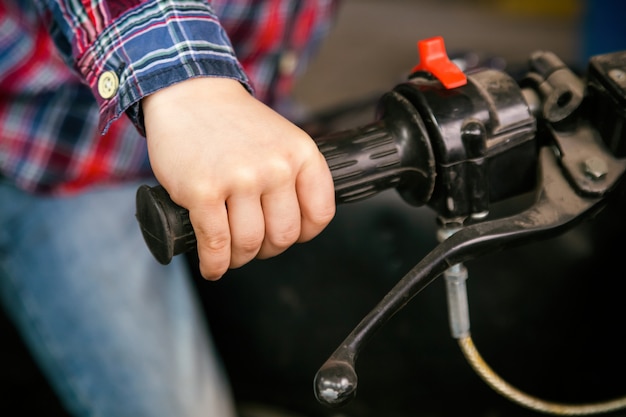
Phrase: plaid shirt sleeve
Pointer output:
(145, 45)
(56, 130)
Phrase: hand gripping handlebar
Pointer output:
(391, 152)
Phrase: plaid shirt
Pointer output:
(59, 134)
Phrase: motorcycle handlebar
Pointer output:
(393, 152)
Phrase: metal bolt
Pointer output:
(595, 168)
(445, 232)
(480, 215)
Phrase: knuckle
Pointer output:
(214, 254)
(285, 237)
(215, 243)
(202, 192)
(323, 216)
(279, 170)
(310, 150)
(245, 179)
(314, 224)
(248, 244)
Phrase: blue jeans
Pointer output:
(116, 333)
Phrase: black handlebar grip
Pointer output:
(164, 224)
(391, 152)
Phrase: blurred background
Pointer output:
(545, 315)
(373, 45)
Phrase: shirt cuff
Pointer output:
(151, 47)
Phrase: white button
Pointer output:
(108, 84)
(288, 63)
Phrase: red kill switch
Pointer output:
(434, 59)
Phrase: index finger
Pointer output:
(210, 224)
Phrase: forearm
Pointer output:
(139, 47)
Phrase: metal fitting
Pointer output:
(595, 168)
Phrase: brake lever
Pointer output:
(581, 163)
(560, 204)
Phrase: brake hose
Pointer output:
(507, 390)
(458, 310)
